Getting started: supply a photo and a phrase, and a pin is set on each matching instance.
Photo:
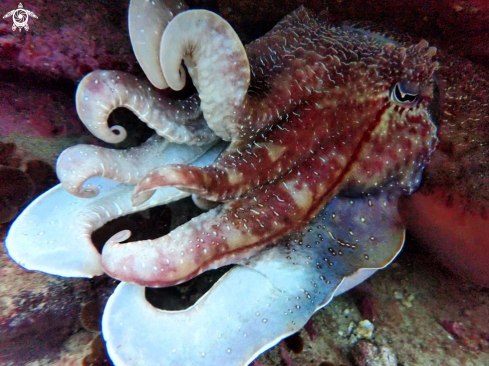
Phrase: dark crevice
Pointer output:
(137, 131)
(37, 80)
(184, 295)
(148, 224)
(436, 108)
(154, 223)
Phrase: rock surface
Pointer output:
(38, 312)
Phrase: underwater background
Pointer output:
(430, 307)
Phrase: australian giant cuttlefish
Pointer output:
(327, 126)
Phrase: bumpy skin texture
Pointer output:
(321, 117)
(449, 215)
(328, 126)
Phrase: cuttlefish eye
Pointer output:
(403, 95)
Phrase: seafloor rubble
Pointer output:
(422, 314)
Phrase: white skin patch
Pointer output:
(302, 197)
(274, 151)
(235, 177)
(238, 238)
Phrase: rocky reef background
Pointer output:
(421, 313)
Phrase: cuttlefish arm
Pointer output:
(235, 230)
(53, 234)
(78, 163)
(147, 21)
(284, 286)
(102, 91)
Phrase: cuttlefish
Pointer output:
(299, 145)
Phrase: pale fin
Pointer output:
(258, 303)
(53, 234)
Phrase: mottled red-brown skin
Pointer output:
(460, 27)
(327, 123)
(450, 213)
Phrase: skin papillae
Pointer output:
(325, 114)
(449, 214)
(460, 112)
(461, 162)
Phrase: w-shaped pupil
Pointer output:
(402, 97)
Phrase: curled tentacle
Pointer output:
(147, 21)
(81, 162)
(203, 204)
(100, 92)
(212, 52)
(208, 241)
